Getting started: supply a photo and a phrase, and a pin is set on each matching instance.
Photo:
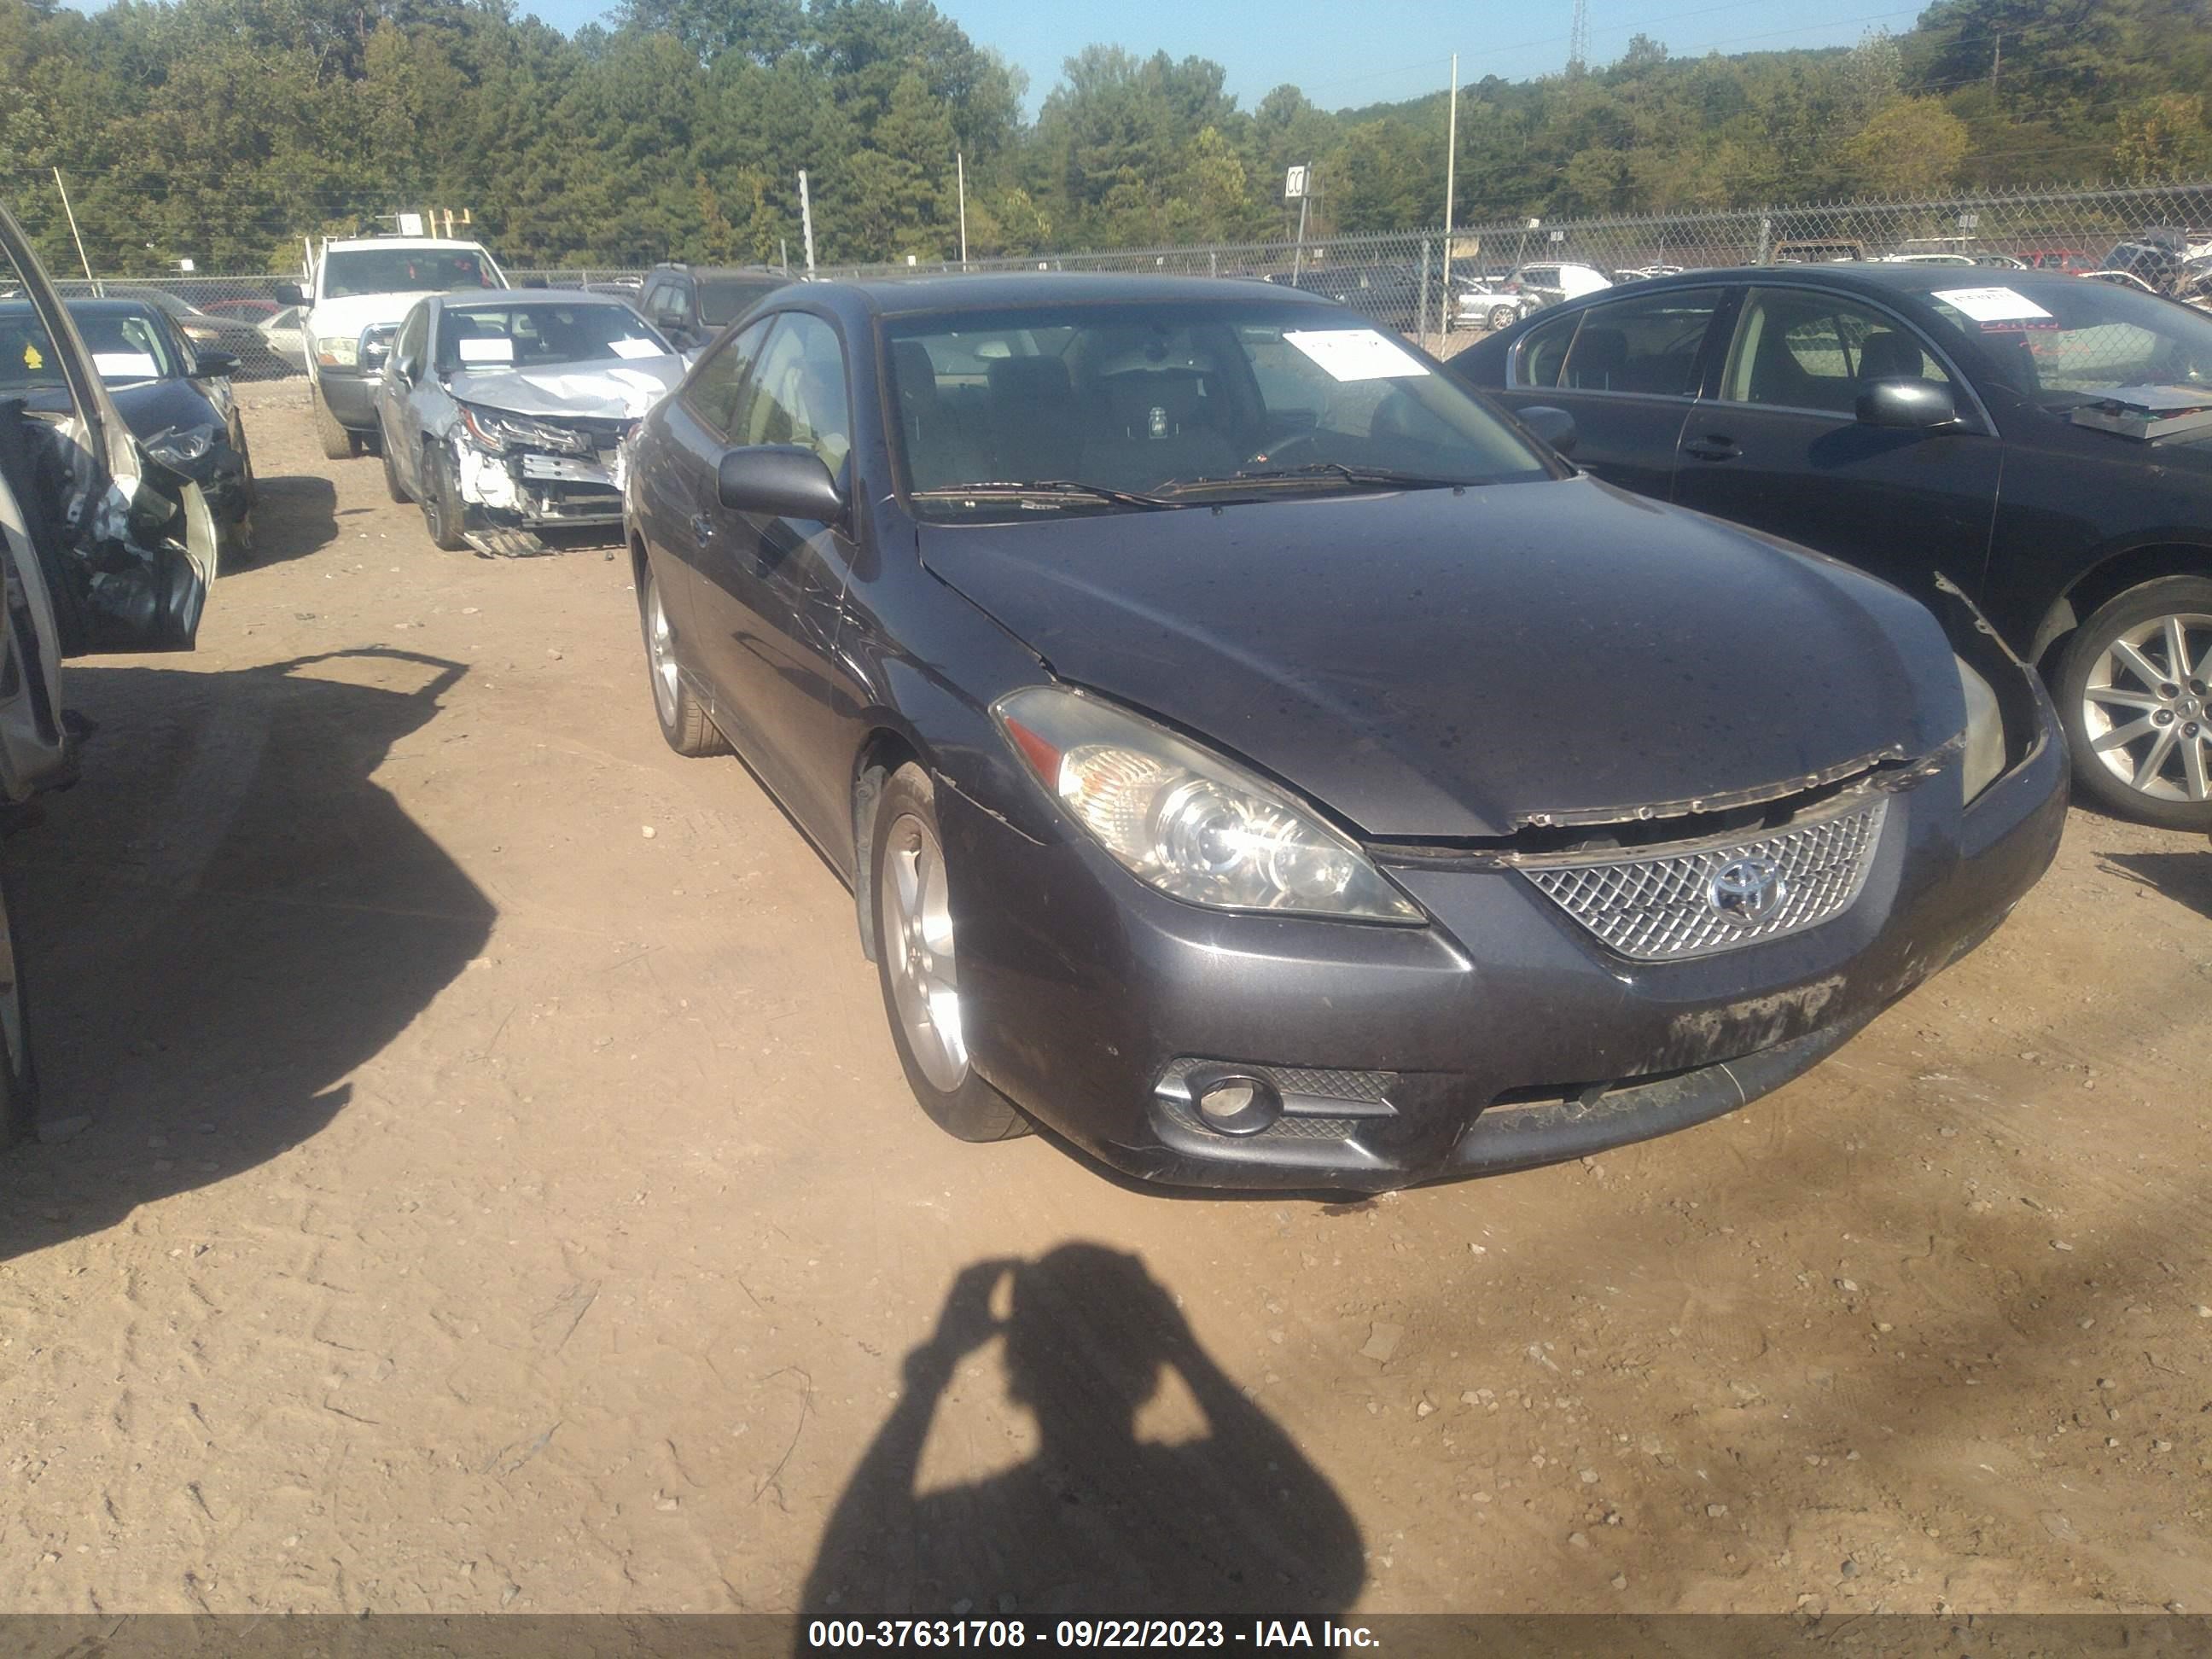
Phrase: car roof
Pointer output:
(1865, 276)
(349, 244)
(892, 296)
(524, 296)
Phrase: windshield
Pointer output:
(542, 333)
(2066, 342)
(1142, 399)
(126, 346)
(403, 271)
(724, 298)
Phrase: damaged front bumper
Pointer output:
(511, 492)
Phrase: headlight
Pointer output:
(1192, 824)
(337, 351)
(181, 447)
(493, 430)
(1986, 734)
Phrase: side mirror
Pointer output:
(1555, 426)
(780, 481)
(287, 293)
(407, 368)
(1907, 405)
(213, 364)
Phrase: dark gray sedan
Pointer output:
(1262, 763)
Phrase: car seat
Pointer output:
(1598, 360)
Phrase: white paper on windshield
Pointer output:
(1357, 353)
(635, 349)
(1991, 304)
(486, 348)
(124, 365)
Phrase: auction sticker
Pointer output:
(1356, 354)
(486, 348)
(1991, 305)
(635, 348)
(124, 365)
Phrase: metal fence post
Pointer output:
(1421, 314)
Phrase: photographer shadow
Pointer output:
(1098, 1522)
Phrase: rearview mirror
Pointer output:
(213, 364)
(1555, 426)
(1910, 405)
(779, 480)
(287, 293)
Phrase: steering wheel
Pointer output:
(1291, 451)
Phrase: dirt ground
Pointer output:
(497, 1190)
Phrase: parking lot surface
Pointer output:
(477, 1176)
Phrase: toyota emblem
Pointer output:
(1746, 890)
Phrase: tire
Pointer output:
(917, 966)
(19, 1077)
(441, 500)
(683, 722)
(2113, 677)
(1503, 316)
(392, 487)
(338, 444)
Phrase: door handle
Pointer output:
(702, 527)
(1712, 448)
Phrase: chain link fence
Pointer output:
(2159, 235)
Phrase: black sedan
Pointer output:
(2043, 442)
(176, 399)
(1259, 762)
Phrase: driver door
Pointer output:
(399, 398)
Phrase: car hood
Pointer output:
(355, 312)
(617, 388)
(1447, 665)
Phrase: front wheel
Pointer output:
(2135, 691)
(441, 500)
(683, 722)
(918, 962)
(338, 444)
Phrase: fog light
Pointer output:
(1234, 1104)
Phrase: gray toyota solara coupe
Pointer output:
(1268, 764)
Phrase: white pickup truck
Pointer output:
(356, 291)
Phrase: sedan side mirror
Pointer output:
(287, 293)
(213, 364)
(1555, 426)
(1907, 405)
(781, 481)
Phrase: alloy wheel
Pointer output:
(2148, 707)
(661, 645)
(918, 951)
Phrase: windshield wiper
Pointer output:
(1043, 489)
(1366, 477)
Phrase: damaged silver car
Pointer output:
(505, 415)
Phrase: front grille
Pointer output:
(1660, 908)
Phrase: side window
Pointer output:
(797, 394)
(712, 391)
(1797, 350)
(409, 349)
(655, 302)
(1649, 344)
(1542, 350)
(682, 303)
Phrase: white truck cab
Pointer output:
(356, 291)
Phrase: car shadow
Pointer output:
(1231, 1521)
(220, 925)
(2185, 878)
(293, 516)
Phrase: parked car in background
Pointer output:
(1872, 411)
(234, 336)
(691, 304)
(2069, 261)
(506, 416)
(176, 400)
(102, 548)
(1386, 293)
(253, 311)
(286, 338)
(1927, 259)
(1222, 719)
(358, 287)
(1645, 273)
(2157, 257)
(1489, 305)
(1818, 250)
(1552, 283)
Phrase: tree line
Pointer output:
(225, 130)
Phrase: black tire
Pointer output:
(19, 1077)
(2189, 711)
(684, 722)
(441, 500)
(338, 444)
(392, 487)
(971, 1109)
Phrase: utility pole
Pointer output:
(806, 220)
(1451, 176)
(960, 165)
(1996, 61)
(71, 212)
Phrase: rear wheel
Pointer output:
(684, 723)
(441, 500)
(917, 961)
(338, 444)
(2134, 690)
(19, 1094)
